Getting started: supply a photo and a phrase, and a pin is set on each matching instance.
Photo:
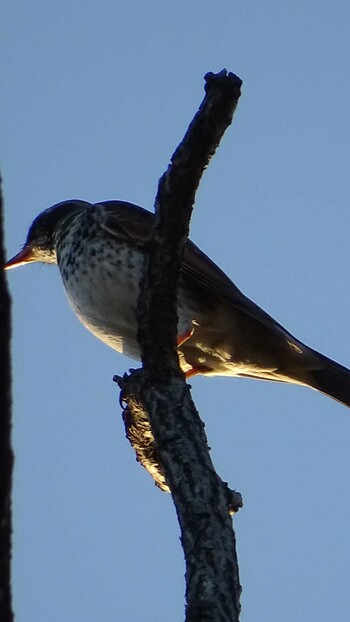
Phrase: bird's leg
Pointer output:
(185, 336)
(201, 369)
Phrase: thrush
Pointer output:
(100, 251)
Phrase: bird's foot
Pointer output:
(185, 336)
(201, 369)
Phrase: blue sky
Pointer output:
(98, 95)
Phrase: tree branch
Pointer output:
(175, 439)
(6, 454)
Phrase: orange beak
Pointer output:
(23, 257)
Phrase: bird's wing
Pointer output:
(127, 222)
(204, 273)
(133, 224)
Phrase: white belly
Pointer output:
(108, 311)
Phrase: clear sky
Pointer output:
(97, 96)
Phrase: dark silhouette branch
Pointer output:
(6, 454)
(161, 420)
(174, 205)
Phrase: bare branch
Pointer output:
(179, 453)
(174, 204)
(6, 454)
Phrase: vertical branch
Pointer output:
(6, 454)
(202, 500)
(174, 205)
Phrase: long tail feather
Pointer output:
(331, 379)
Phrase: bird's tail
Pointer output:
(328, 377)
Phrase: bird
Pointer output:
(100, 249)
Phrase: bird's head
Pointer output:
(40, 244)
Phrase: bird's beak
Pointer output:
(23, 257)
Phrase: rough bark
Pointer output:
(160, 416)
(6, 454)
